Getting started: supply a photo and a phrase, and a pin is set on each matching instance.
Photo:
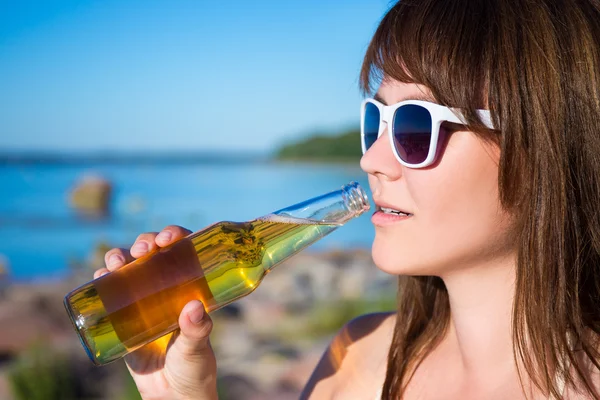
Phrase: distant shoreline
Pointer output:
(164, 159)
(83, 158)
(343, 148)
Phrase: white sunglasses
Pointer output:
(413, 128)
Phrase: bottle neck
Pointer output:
(335, 208)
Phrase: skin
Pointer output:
(458, 231)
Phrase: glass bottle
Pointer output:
(128, 308)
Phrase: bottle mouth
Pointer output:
(355, 198)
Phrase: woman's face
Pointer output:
(456, 219)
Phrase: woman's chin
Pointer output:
(390, 261)
(394, 261)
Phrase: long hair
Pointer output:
(536, 66)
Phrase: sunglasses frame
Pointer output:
(439, 114)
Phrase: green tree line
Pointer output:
(344, 147)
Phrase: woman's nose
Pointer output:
(380, 159)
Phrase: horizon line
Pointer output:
(132, 157)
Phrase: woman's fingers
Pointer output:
(171, 234)
(100, 272)
(116, 258)
(144, 244)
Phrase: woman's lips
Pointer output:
(380, 218)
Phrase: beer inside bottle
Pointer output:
(126, 309)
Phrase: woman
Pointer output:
(488, 212)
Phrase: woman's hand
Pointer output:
(182, 365)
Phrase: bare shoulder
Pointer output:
(369, 324)
(364, 343)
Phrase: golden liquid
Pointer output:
(121, 311)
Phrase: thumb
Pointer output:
(195, 326)
(191, 367)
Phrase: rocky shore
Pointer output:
(266, 344)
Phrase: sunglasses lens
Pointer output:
(412, 133)
(371, 124)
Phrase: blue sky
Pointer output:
(179, 75)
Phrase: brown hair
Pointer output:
(536, 66)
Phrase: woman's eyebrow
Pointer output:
(379, 99)
(419, 96)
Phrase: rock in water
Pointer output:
(4, 276)
(91, 196)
